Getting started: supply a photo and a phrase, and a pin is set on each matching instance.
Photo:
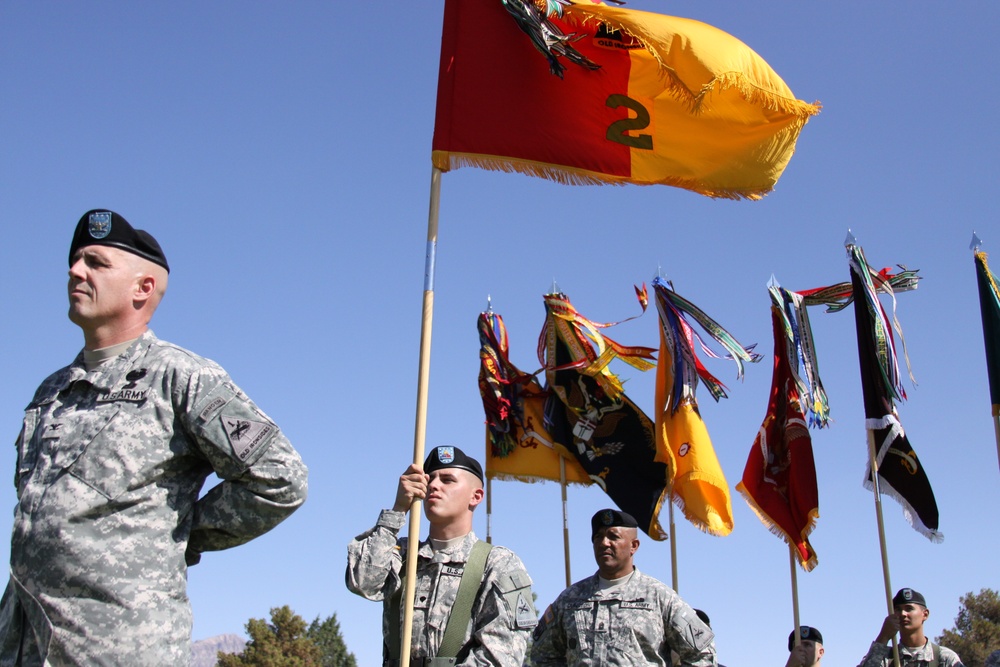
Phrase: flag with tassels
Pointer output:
(645, 99)
(900, 472)
(518, 444)
(779, 481)
(803, 360)
(698, 485)
(609, 435)
(989, 306)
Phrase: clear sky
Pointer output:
(281, 154)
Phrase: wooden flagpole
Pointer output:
(795, 594)
(873, 459)
(565, 519)
(996, 432)
(673, 537)
(489, 510)
(420, 425)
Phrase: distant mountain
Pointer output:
(205, 652)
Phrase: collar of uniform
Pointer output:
(76, 371)
(110, 375)
(456, 554)
(924, 652)
(625, 592)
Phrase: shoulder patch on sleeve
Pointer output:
(229, 423)
(246, 435)
(697, 633)
(525, 615)
(515, 587)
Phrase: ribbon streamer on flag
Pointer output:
(518, 443)
(798, 331)
(698, 485)
(674, 101)
(801, 347)
(611, 438)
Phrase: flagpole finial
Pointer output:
(555, 287)
(975, 243)
(773, 283)
(660, 278)
(489, 304)
(850, 240)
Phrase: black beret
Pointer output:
(805, 632)
(607, 518)
(103, 227)
(908, 595)
(450, 456)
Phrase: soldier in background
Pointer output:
(915, 649)
(810, 649)
(111, 459)
(473, 603)
(620, 616)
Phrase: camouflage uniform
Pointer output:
(637, 623)
(110, 464)
(880, 655)
(502, 615)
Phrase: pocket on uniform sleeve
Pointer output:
(516, 590)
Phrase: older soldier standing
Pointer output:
(473, 603)
(619, 616)
(111, 459)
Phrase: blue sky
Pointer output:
(280, 152)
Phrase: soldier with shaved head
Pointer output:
(111, 460)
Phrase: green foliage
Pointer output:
(977, 628)
(326, 635)
(281, 643)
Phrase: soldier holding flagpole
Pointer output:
(915, 649)
(473, 603)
